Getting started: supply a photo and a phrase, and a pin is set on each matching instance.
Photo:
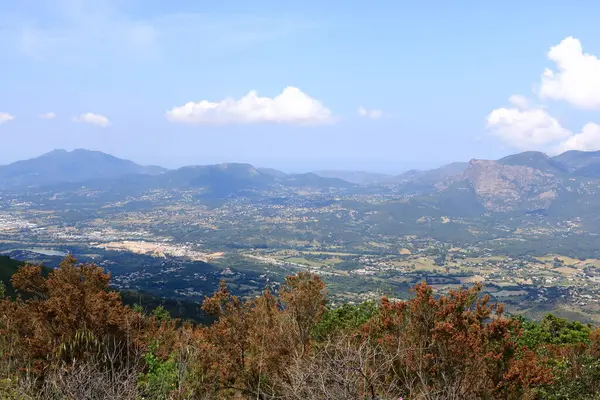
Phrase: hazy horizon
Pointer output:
(288, 166)
(307, 86)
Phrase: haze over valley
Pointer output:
(525, 225)
(259, 200)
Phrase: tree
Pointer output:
(303, 298)
(453, 346)
(342, 319)
(80, 341)
(71, 314)
(553, 330)
(160, 313)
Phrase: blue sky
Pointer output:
(148, 80)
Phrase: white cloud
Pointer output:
(536, 129)
(373, 114)
(525, 129)
(577, 76)
(94, 119)
(577, 81)
(5, 117)
(291, 106)
(587, 140)
(48, 115)
(521, 102)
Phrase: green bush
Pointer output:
(161, 377)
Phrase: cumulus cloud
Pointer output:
(587, 140)
(94, 119)
(525, 129)
(291, 106)
(521, 102)
(373, 114)
(48, 115)
(535, 128)
(5, 117)
(576, 78)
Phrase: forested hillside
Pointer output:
(73, 338)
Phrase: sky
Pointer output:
(379, 85)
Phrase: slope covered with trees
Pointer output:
(73, 338)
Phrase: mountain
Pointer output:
(210, 181)
(567, 184)
(414, 178)
(433, 175)
(78, 165)
(581, 163)
(504, 186)
(272, 172)
(573, 162)
(534, 159)
(418, 181)
(63, 170)
(311, 180)
(230, 178)
(356, 177)
(524, 182)
(531, 181)
(219, 179)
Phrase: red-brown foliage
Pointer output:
(456, 346)
(67, 315)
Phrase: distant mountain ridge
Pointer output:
(581, 163)
(535, 181)
(523, 181)
(94, 168)
(357, 177)
(234, 178)
(59, 166)
(63, 170)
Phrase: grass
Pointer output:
(566, 270)
(329, 253)
(304, 261)
(567, 260)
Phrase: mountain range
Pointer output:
(59, 166)
(61, 169)
(525, 181)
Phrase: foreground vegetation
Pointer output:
(67, 336)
